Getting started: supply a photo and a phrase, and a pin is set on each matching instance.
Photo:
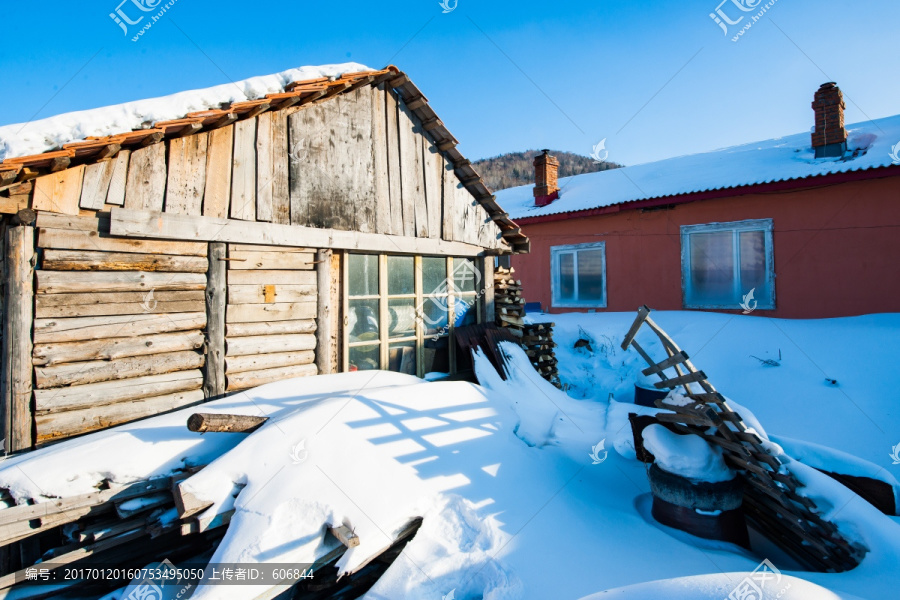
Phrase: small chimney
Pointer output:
(546, 169)
(829, 138)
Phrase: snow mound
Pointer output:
(686, 455)
(34, 137)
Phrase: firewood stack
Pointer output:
(508, 301)
(537, 340)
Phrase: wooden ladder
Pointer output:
(772, 501)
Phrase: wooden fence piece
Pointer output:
(15, 379)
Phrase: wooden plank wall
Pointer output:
(360, 161)
(118, 329)
(270, 319)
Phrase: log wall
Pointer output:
(270, 318)
(118, 327)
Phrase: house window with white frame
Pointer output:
(728, 265)
(578, 275)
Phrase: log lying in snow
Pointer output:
(345, 535)
(208, 422)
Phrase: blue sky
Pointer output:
(655, 79)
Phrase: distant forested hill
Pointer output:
(515, 168)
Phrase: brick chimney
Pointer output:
(829, 138)
(546, 169)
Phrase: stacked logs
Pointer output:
(508, 301)
(537, 340)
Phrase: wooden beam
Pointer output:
(15, 383)
(324, 314)
(149, 224)
(214, 376)
(206, 422)
(345, 535)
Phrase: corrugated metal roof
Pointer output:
(872, 145)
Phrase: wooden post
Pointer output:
(214, 380)
(324, 318)
(487, 274)
(15, 383)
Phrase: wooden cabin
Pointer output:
(331, 227)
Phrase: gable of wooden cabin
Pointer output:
(191, 266)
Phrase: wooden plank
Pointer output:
(116, 192)
(110, 392)
(282, 311)
(680, 380)
(59, 192)
(10, 206)
(92, 240)
(62, 282)
(392, 121)
(270, 260)
(217, 193)
(49, 300)
(115, 348)
(219, 423)
(411, 177)
(150, 304)
(265, 277)
(380, 155)
(214, 381)
(249, 379)
(272, 193)
(361, 157)
(268, 344)
(54, 426)
(675, 359)
(237, 330)
(87, 260)
(259, 362)
(95, 185)
(336, 295)
(93, 328)
(325, 313)
(260, 294)
(129, 223)
(82, 373)
(433, 164)
(243, 175)
(90, 222)
(145, 187)
(487, 274)
(186, 174)
(15, 378)
(264, 248)
(448, 204)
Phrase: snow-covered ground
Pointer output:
(521, 491)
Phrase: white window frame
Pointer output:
(764, 225)
(555, 251)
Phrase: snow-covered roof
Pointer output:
(35, 137)
(871, 145)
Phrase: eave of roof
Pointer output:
(311, 91)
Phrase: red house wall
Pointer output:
(836, 249)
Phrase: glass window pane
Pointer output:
(712, 268)
(466, 276)
(566, 267)
(402, 318)
(362, 320)
(434, 315)
(402, 357)
(465, 311)
(401, 273)
(434, 275)
(365, 358)
(436, 356)
(363, 275)
(590, 275)
(753, 263)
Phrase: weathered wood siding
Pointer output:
(118, 327)
(270, 318)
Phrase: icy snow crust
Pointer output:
(514, 501)
(791, 157)
(34, 137)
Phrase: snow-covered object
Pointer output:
(780, 159)
(686, 455)
(34, 137)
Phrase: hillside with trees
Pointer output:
(515, 168)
